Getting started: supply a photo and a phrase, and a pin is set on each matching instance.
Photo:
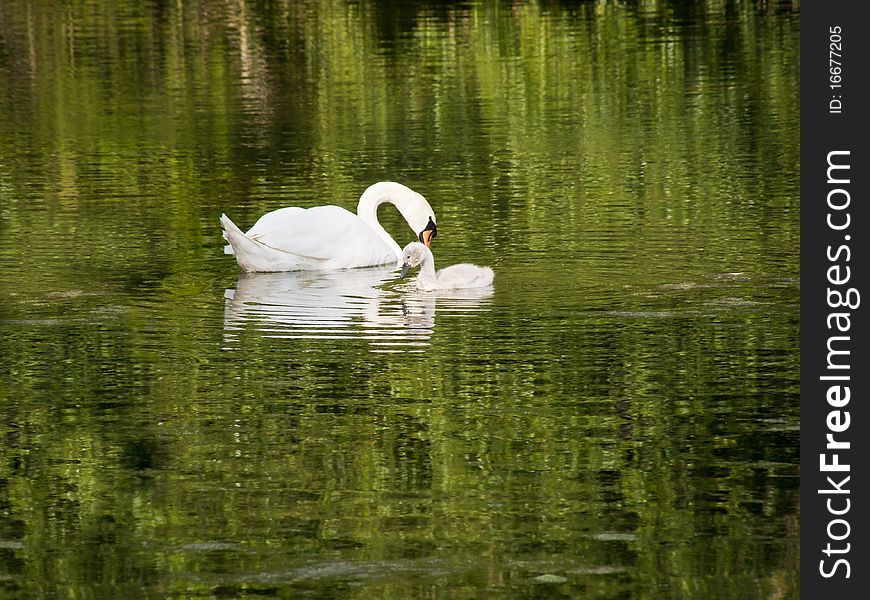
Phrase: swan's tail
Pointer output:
(253, 256)
(228, 249)
(248, 252)
(231, 233)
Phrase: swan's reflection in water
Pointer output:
(340, 305)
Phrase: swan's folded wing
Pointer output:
(320, 232)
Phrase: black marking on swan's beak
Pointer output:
(429, 232)
(405, 268)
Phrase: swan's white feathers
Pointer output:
(454, 277)
(322, 233)
(326, 237)
(464, 275)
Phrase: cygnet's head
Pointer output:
(412, 255)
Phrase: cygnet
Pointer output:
(459, 276)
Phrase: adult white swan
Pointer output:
(454, 277)
(330, 237)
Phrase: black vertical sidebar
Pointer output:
(835, 300)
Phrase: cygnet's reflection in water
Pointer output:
(341, 304)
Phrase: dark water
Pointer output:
(617, 418)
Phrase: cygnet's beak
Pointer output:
(429, 232)
(405, 268)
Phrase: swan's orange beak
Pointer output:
(429, 232)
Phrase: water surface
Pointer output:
(616, 418)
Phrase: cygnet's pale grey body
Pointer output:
(454, 277)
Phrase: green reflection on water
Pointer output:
(618, 419)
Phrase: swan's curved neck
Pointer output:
(386, 191)
(427, 277)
